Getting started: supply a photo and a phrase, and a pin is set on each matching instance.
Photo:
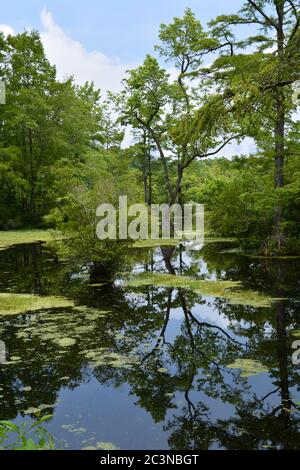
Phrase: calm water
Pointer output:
(148, 368)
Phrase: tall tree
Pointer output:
(43, 121)
(167, 109)
(256, 75)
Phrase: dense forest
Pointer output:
(154, 343)
(62, 149)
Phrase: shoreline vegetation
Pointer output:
(229, 290)
(179, 123)
(174, 242)
(11, 238)
(15, 304)
(210, 117)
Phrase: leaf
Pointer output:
(8, 424)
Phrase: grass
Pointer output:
(14, 304)
(155, 243)
(220, 240)
(280, 257)
(229, 290)
(17, 237)
(173, 242)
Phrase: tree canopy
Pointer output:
(208, 87)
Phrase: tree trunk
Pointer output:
(145, 169)
(149, 174)
(279, 170)
(279, 135)
(31, 209)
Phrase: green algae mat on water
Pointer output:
(229, 290)
(248, 367)
(15, 304)
(102, 446)
(19, 237)
(149, 243)
(55, 333)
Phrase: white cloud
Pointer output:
(71, 58)
(246, 147)
(6, 30)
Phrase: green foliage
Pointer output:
(239, 199)
(60, 146)
(14, 304)
(145, 95)
(230, 290)
(26, 436)
(19, 237)
(255, 77)
(79, 189)
(184, 41)
(43, 121)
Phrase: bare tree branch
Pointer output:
(263, 14)
(214, 152)
(296, 14)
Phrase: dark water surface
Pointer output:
(148, 368)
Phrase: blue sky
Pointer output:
(126, 29)
(97, 40)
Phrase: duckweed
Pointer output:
(248, 367)
(18, 237)
(102, 446)
(15, 304)
(229, 290)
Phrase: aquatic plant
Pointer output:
(229, 290)
(19, 237)
(26, 436)
(14, 304)
(248, 367)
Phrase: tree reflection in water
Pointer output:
(179, 374)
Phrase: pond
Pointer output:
(147, 364)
